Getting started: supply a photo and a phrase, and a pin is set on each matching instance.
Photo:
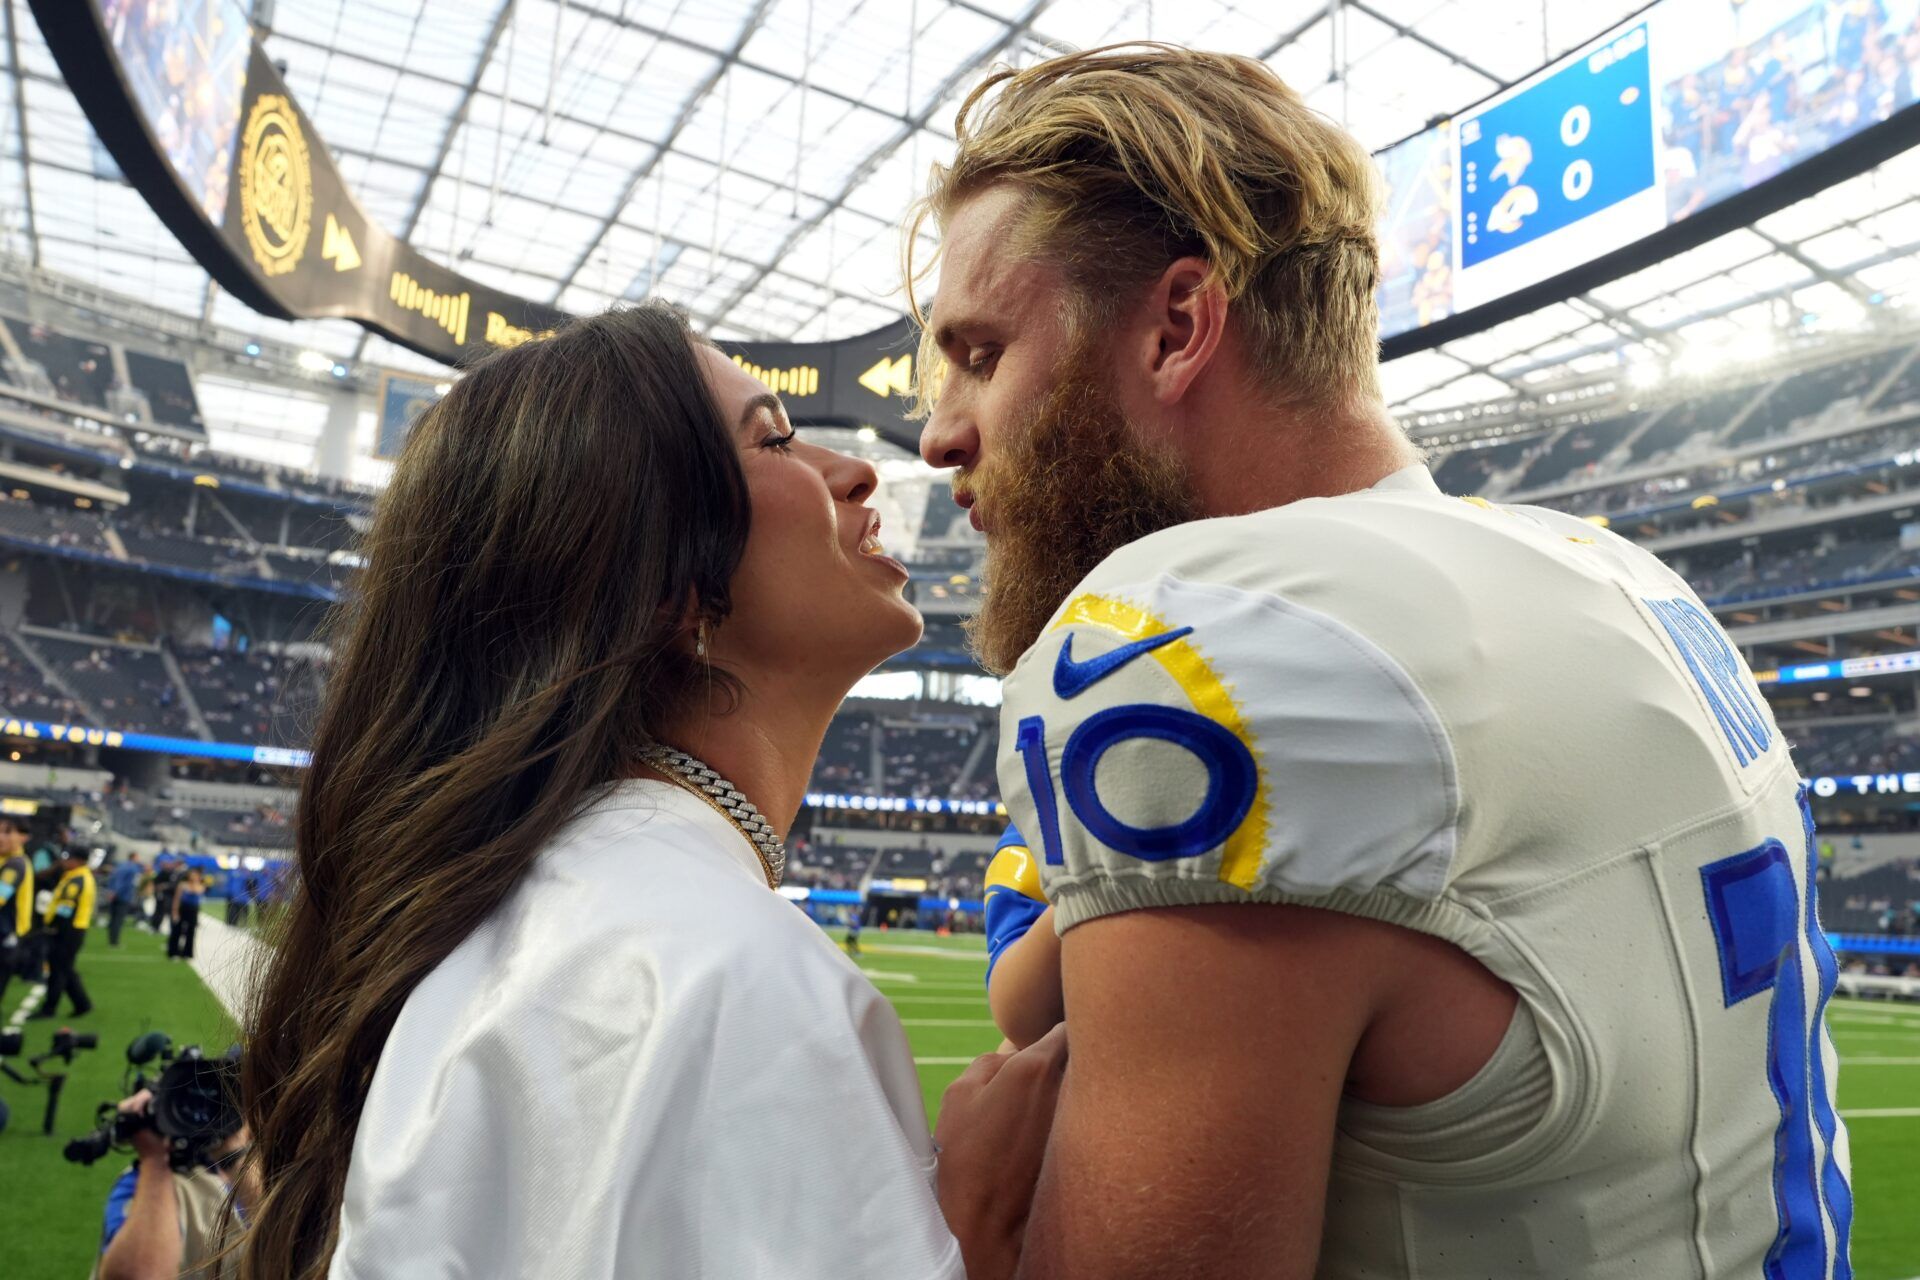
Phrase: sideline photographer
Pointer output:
(163, 1224)
(185, 1199)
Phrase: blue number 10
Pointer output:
(1759, 917)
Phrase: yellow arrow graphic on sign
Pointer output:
(890, 377)
(338, 247)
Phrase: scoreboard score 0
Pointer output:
(1571, 145)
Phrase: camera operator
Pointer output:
(162, 1224)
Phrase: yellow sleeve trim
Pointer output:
(1015, 868)
(1241, 857)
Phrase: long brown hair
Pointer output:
(509, 645)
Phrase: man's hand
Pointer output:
(992, 1136)
(147, 1143)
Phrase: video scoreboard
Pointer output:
(1683, 107)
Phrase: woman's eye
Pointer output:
(784, 443)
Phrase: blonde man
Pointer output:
(1431, 883)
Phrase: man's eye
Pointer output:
(981, 363)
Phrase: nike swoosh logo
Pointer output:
(1071, 679)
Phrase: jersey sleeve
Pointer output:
(1014, 898)
(1175, 739)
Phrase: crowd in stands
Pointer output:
(1790, 463)
(1848, 750)
(1755, 574)
(834, 863)
(54, 526)
(238, 693)
(1813, 392)
(26, 693)
(1884, 899)
(1573, 453)
(128, 688)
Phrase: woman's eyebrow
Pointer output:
(765, 400)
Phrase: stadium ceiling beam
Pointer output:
(1300, 28)
(1044, 41)
(1405, 32)
(1793, 251)
(1620, 320)
(454, 121)
(728, 61)
(20, 123)
(665, 37)
(458, 118)
(866, 168)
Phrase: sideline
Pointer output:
(224, 957)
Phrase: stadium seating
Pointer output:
(1884, 899)
(129, 688)
(1814, 391)
(168, 390)
(237, 693)
(1467, 470)
(80, 371)
(1843, 750)
(54, 526)
(26, 692)
(1577, 447)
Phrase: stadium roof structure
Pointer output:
(750, 160)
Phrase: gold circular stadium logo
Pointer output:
(276, 185)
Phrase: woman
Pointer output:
(185, 914)
(605, 1047)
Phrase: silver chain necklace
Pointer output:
(696, 776)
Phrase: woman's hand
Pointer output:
(992, 1135)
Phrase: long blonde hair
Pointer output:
(1134, 155)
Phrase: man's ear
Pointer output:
(1186, 319)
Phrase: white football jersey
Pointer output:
(1515, 731)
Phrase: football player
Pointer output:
(1431, 881)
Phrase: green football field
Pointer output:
(936, 985)
(53, 1209)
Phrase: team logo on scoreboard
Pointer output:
(276, 185)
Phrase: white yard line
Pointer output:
(980, 998)
(1879, 1113)
(941, 1062)
(946, 1022)
(938, 953)
(28, 1004)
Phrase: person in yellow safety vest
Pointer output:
(69, 917)
(16, 899)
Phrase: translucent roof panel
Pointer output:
(752, 159)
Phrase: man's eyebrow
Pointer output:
(765, 400)
(947, 332)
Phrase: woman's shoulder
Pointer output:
(643, 891)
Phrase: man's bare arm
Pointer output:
(1195, 1129)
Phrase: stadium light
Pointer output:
(441, 388)
(314, 362)
(339, 371)
(868, 434)
(253, 348)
